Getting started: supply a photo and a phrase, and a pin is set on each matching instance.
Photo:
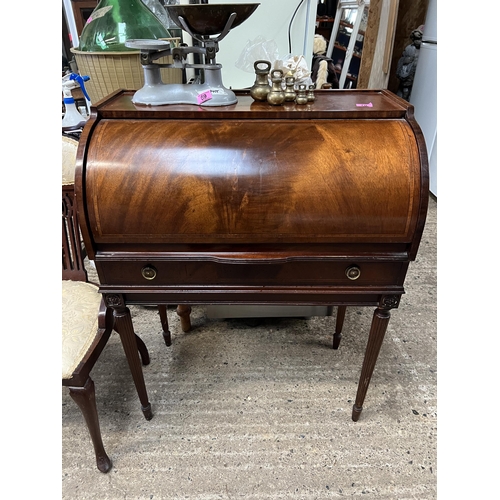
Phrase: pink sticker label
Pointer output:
(369, 105)
(204, 96)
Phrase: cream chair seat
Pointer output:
(80, 307)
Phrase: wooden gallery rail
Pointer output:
(319, 204)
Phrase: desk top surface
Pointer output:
(360, 104)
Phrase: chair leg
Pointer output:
(162, 309)
(84, 397)
(339, 324)
(183, 311)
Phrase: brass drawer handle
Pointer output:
(148, 272)
(353, 272)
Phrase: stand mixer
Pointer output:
(201, 21)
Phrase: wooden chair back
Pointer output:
(73, 253)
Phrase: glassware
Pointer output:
(159, 11)
(114, 21)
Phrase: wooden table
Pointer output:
(319, 204)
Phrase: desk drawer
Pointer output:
(156, 273)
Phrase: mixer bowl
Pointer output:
(206, 19)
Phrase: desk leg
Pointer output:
(378, 328)
(184, 311)
(125, 328)
(167, 337)
(339, 324)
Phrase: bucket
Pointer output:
(110, 71)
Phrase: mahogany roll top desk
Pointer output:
(317, 204)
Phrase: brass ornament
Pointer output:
(261, 87)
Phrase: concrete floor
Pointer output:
(264, 412)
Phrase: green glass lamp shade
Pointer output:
(114, 21)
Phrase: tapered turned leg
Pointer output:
(143, 350)
(141, 346)
(125, 328)
(183, 311)
(164, 325)
(339, 324)
(84, 397)
(377, 331)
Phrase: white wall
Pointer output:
(270, 20)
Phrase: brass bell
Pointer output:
(301, 95)
(276, 96)
(310, 94)
(290, 93)
(261, 87)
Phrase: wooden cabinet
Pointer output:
(81, 11)
(320, 204)
(324, 25)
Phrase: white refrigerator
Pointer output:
(424, 91)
